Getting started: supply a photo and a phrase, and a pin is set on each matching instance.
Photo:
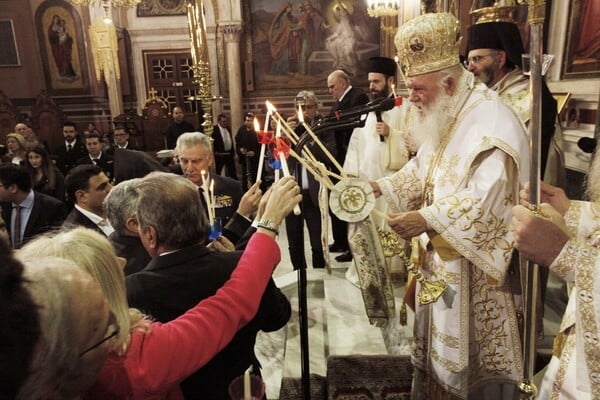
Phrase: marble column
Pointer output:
(232, 32)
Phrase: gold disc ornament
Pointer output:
(352, 199)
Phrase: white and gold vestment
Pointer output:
(467, 343)
(574, 371)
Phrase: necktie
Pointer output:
(69, 147)
(16, 235)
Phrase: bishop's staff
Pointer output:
(536, 14)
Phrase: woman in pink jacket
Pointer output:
(147, 360)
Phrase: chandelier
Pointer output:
(114, 3)
(382, 8)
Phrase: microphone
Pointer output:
(587, 144)
(383, 105)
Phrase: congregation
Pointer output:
(124, 277)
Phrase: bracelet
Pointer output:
(268, 225)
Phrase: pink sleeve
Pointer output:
(174, 350)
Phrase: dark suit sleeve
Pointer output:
(58, 213)
(275, 309)
(59, 187)
(236, 227)
(241, 244)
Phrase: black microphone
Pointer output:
(384, 105)
(587, 144)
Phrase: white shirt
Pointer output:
(102, 223)
(226, 137)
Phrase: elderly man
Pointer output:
(183, 272)
(120, 209)
(565, 239)
(195, 155)
(454, 198)
(494, 56)
(346, 96)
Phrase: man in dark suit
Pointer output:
(247, 149)
(87, 186)
(177, 126)
(311, 213)
(183, 272)
(223, 148)
(121, 140)
(120, 209)
(27, 213)
(73, 149)
(195, 155)
(346, 96)
(96, 156)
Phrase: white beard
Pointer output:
(430, 121)
(593, 180)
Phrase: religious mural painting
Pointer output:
(297, 44)
(582, 52)
(158, 8)
(61, 41)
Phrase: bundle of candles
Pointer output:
(281, 149)
(208, 191)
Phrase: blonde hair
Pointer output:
(56, 366)
(93, 252)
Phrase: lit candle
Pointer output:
(269, 106)
(282, 160)
(207, 197)
(261, 156)
(394, 90)
(211, 214)
(247, 385)
(318, 142)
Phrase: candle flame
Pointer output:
(256, 126)
(270, 108)
(300, 114)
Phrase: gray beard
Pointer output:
(429, 125)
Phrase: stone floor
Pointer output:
(338, 325)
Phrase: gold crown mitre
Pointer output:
(428, 43)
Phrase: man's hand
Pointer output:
(382, 129)
(249, 153)
(250, 200)
(376, 188)
(539, 238)
(552, 195)
(408, 224)
(221, 245)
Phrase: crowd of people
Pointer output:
(136, 280)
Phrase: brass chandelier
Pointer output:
(386, 8)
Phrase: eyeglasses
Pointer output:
(106, 339)
(478, 59)
(112, 321)
(310, 106)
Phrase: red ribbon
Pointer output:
(280, 145)
(264, 137)
(397, 101)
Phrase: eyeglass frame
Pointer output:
(100, 343)
(478, 59)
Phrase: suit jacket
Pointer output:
(111, 150)
(218, 145)
(47, 214)
(105, 162)
(76, 218)
(228, 194)
(66, 160)
(173, 283)
(175, 130)
(355, 97)
(132, 250)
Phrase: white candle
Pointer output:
(247, 385)
(211, 208)
(261, 156)
(394, 90)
